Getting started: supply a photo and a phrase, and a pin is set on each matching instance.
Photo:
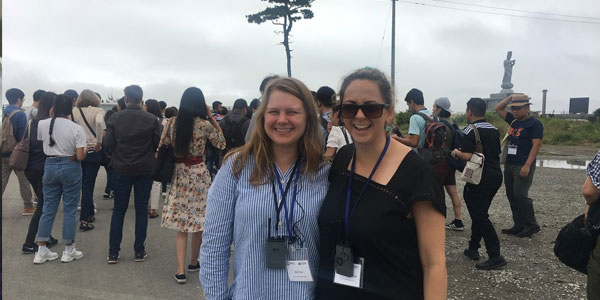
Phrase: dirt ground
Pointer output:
(533, 272)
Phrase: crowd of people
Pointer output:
(316, 193)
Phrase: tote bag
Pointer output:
(474, 167)
(20, 155)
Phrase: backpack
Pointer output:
(8, 136)
(456, 142)
(234, 137)
(435, 148)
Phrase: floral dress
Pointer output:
(185, 205)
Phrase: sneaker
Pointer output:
(528, 232)
(456, 225)
(472, 254)
(29, 249)
(113, 258)
(492, 263)
(140, 256)
(180, 278)
(106, 196)
(28, 211)
(512, 231)
(41, 258)
(51, 242)
(194, 268)
(68, 257)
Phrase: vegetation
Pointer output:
(288, 10)
(556, 131)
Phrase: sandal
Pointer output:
(85, 226)
(152, 214)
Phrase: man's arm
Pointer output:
(19, 124)
(535, 149)
(501, 107)
(589, 191)
(412, 140)
(109, 141)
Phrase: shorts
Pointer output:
(445, 173)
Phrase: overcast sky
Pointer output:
(167, 46)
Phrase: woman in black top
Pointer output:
(35, 172)
(393, 229)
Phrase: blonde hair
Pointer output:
(87, 98)
(260, 145)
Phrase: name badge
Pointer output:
(512, 150)
(356, 280)
(299, 270)
(276, 253)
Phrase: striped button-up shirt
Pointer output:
(238, 212)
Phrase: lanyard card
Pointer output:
(356, 280)
(276, 253)
(512, 150)
(298, 267)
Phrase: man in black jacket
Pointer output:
(235, 125)
(132, 135)
(479, 197)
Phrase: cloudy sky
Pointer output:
(167, 46)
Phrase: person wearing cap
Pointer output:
(416, 126)
(525, 140)
(446, 173)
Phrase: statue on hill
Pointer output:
(508, 66)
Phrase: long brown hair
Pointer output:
(260, 145)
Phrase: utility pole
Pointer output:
(394, 46)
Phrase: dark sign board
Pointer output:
(579, 105)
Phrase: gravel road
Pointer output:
(533, 272)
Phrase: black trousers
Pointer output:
(35, 178)
(478, 199)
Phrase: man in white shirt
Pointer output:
(31, 111)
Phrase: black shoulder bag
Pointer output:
(575, 242)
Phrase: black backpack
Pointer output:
(435, 148)
(234, 137)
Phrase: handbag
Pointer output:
(575, 242)
(165, 161)
(20, 155)
(474, 167)
(504, 144)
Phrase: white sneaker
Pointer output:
(41, 258)
(70, 256)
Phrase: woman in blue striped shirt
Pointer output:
(265, 200)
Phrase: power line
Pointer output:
(518, 10)
(383, 37)
(500, 14)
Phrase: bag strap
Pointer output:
(345, 134)
(478, 146)
(86, 122)
(12, 114)
(165, 132)
(424, 116)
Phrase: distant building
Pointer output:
(579, 105)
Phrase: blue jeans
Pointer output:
(62, 177)
(109, 184)
(141, 184)
(89, 167)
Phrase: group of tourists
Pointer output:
(315, 194)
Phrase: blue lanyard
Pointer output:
(350, 179)
(289, 215)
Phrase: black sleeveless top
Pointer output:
(380, 231)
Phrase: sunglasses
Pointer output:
(515, 108)
(370, 110)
